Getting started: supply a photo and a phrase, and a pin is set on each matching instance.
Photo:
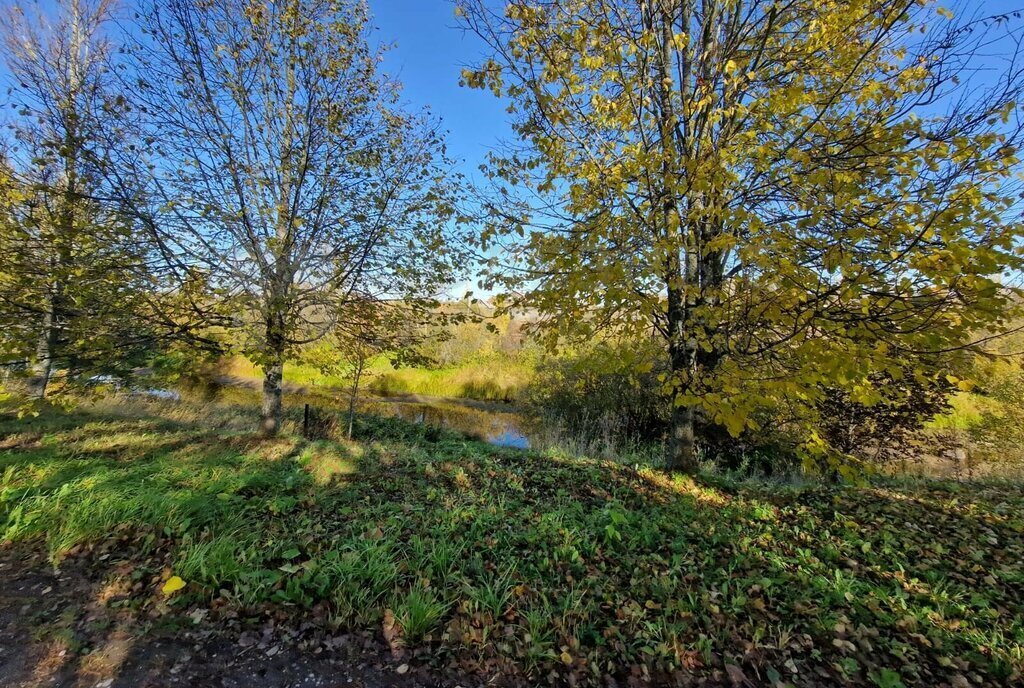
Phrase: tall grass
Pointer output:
(294, 372)
(499, 378)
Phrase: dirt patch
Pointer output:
(66, 628)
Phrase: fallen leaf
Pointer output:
(736, 675)
(173, 585)
(392, 633)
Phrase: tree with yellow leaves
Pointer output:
(793, 194)
(77, 290)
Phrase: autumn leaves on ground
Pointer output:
(432, 558)
(728, 269)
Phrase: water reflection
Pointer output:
(500, 428)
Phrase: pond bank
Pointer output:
(493, 422)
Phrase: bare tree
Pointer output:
(283, 167)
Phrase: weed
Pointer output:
(493, 593)
(418, 612)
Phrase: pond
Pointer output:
(488, 422)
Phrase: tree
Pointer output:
(73, 276)
(795, 194)
(284, 167)
(369, 329)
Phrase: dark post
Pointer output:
(305, 421)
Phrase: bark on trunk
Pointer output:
(681, 448)
(681, 269)
(279, 287)
(45, 352)
(681, 451)
(270, 420)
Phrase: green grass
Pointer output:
(294, 372)
(493, 378)
(966, 412)
(498, 378)
(530, 563)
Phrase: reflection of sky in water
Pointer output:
(494, 427)
(510, 438)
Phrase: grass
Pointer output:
(538, 565)
(493, 378)
(498, 378)
(966, 412)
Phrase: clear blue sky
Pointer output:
(429, 51)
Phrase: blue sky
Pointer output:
(429, 51)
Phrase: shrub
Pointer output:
(608, 399)
(609, 390)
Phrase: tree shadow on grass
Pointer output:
(85, 630)
(621, 568)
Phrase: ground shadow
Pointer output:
(823, 586)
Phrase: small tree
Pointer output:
(284, 167)
(368, 330)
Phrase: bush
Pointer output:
(995, 423)
(603, 392)
(608, 399)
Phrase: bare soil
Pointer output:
(64, 628)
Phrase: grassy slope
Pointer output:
(494, 378)
(534, 563)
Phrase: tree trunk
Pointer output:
(681, 271)
(681, 449)
(45, 351)
(273, 374)
(680, 452)
(355, 393)
(270, 420)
